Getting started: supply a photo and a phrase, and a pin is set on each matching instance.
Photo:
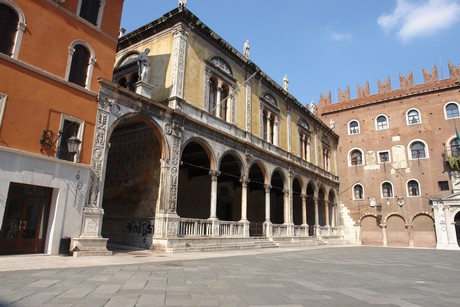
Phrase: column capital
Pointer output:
(214, 174)
(303, 196)
(286, 192)
(244, 180)
(267, 188)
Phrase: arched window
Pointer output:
(353, 127)
(455, 147)
(418, 150)
(356, 157)
(12, 26)
(413, 188)
(358, 192)
(451, 110)
(219, 89)
(387, 190)
(381, 122)
(413, 117)
(91, 10)
(81, 64)
(212, 96)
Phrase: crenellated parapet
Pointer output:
(407, 87)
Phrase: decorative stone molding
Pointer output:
(178, 62)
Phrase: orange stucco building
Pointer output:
(51, 54)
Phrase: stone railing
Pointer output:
(280, 230)
(300, 231)
(194, 228)
(210, 228)
(231, 229)
(327, 231)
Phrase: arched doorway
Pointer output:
(371, 233)
(229, 189)
(256, 201)
(194, 192)
(396, 231)
(131, 183)
(297, 202)
(423, 231)
(457, 227)
(277, 198)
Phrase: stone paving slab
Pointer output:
(329, 276)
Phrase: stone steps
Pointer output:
(201, 245)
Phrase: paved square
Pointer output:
(328, 276)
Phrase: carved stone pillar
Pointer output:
(178, 64)
(90, 241)
(275, 131)
(269, 128)
(214, 177)
(244, 198)
(248, 107)
(326, 213)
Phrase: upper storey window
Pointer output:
(353, 127)
(12, 26)
(413, 117)
(91, 10)
(451, 110)
(219, 90)
(81, 64)
(304, 140)
(381, 122)
(326, 154)
(270, 118)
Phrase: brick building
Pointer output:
(51, 54)
(397, 150)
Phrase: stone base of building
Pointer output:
(176, 245)
(90, 247)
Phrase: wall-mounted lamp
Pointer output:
(49, 138)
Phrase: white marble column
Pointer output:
(286, 206)
(214, 175)
(267, 188)
(244, 198)
(326, 212)
(304, 209)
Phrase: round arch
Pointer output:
(132, 179)
(206, 147)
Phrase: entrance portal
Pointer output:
(25, 220)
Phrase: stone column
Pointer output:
(213, 205)
(304, 209)
(244, 198)
(267, 223)
(218, 99)
(269, 128)
(275, 131)
(316, 227)
(286, 206)
(334, 215)
(326, 212)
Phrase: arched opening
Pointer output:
(331, 208)
(371, 233)
(423, 231)
(457, 227)
(131, 184)
(396, 231)
(321, 207)
(311, 209)
(296, 202)
(229, 189)
(277, 198)
(194, 193)
(256, 200)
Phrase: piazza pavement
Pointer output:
(285, 276)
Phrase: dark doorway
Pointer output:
(256, 201)
(277, 198)
(25, 222)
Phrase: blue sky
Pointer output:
(330, 44)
